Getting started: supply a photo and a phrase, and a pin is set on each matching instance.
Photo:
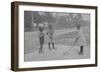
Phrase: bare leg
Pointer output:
(53, 45)
(41, 45)
(49, 46)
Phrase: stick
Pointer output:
(71, 46)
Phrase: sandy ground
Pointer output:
(32, 48)
(31, 39)
(57, 54)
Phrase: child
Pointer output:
(41, 38)
(80, 39)
(50, 33)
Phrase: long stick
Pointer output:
(71, 47)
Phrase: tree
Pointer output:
(37, 18)
(27, 20)
(49, 17)
(78, 19)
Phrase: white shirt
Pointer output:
(81, 38)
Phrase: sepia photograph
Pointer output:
(56, 36)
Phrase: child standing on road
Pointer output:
(41, 39)
(80, 39)
(50, 33)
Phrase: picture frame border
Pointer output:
(15, 34)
